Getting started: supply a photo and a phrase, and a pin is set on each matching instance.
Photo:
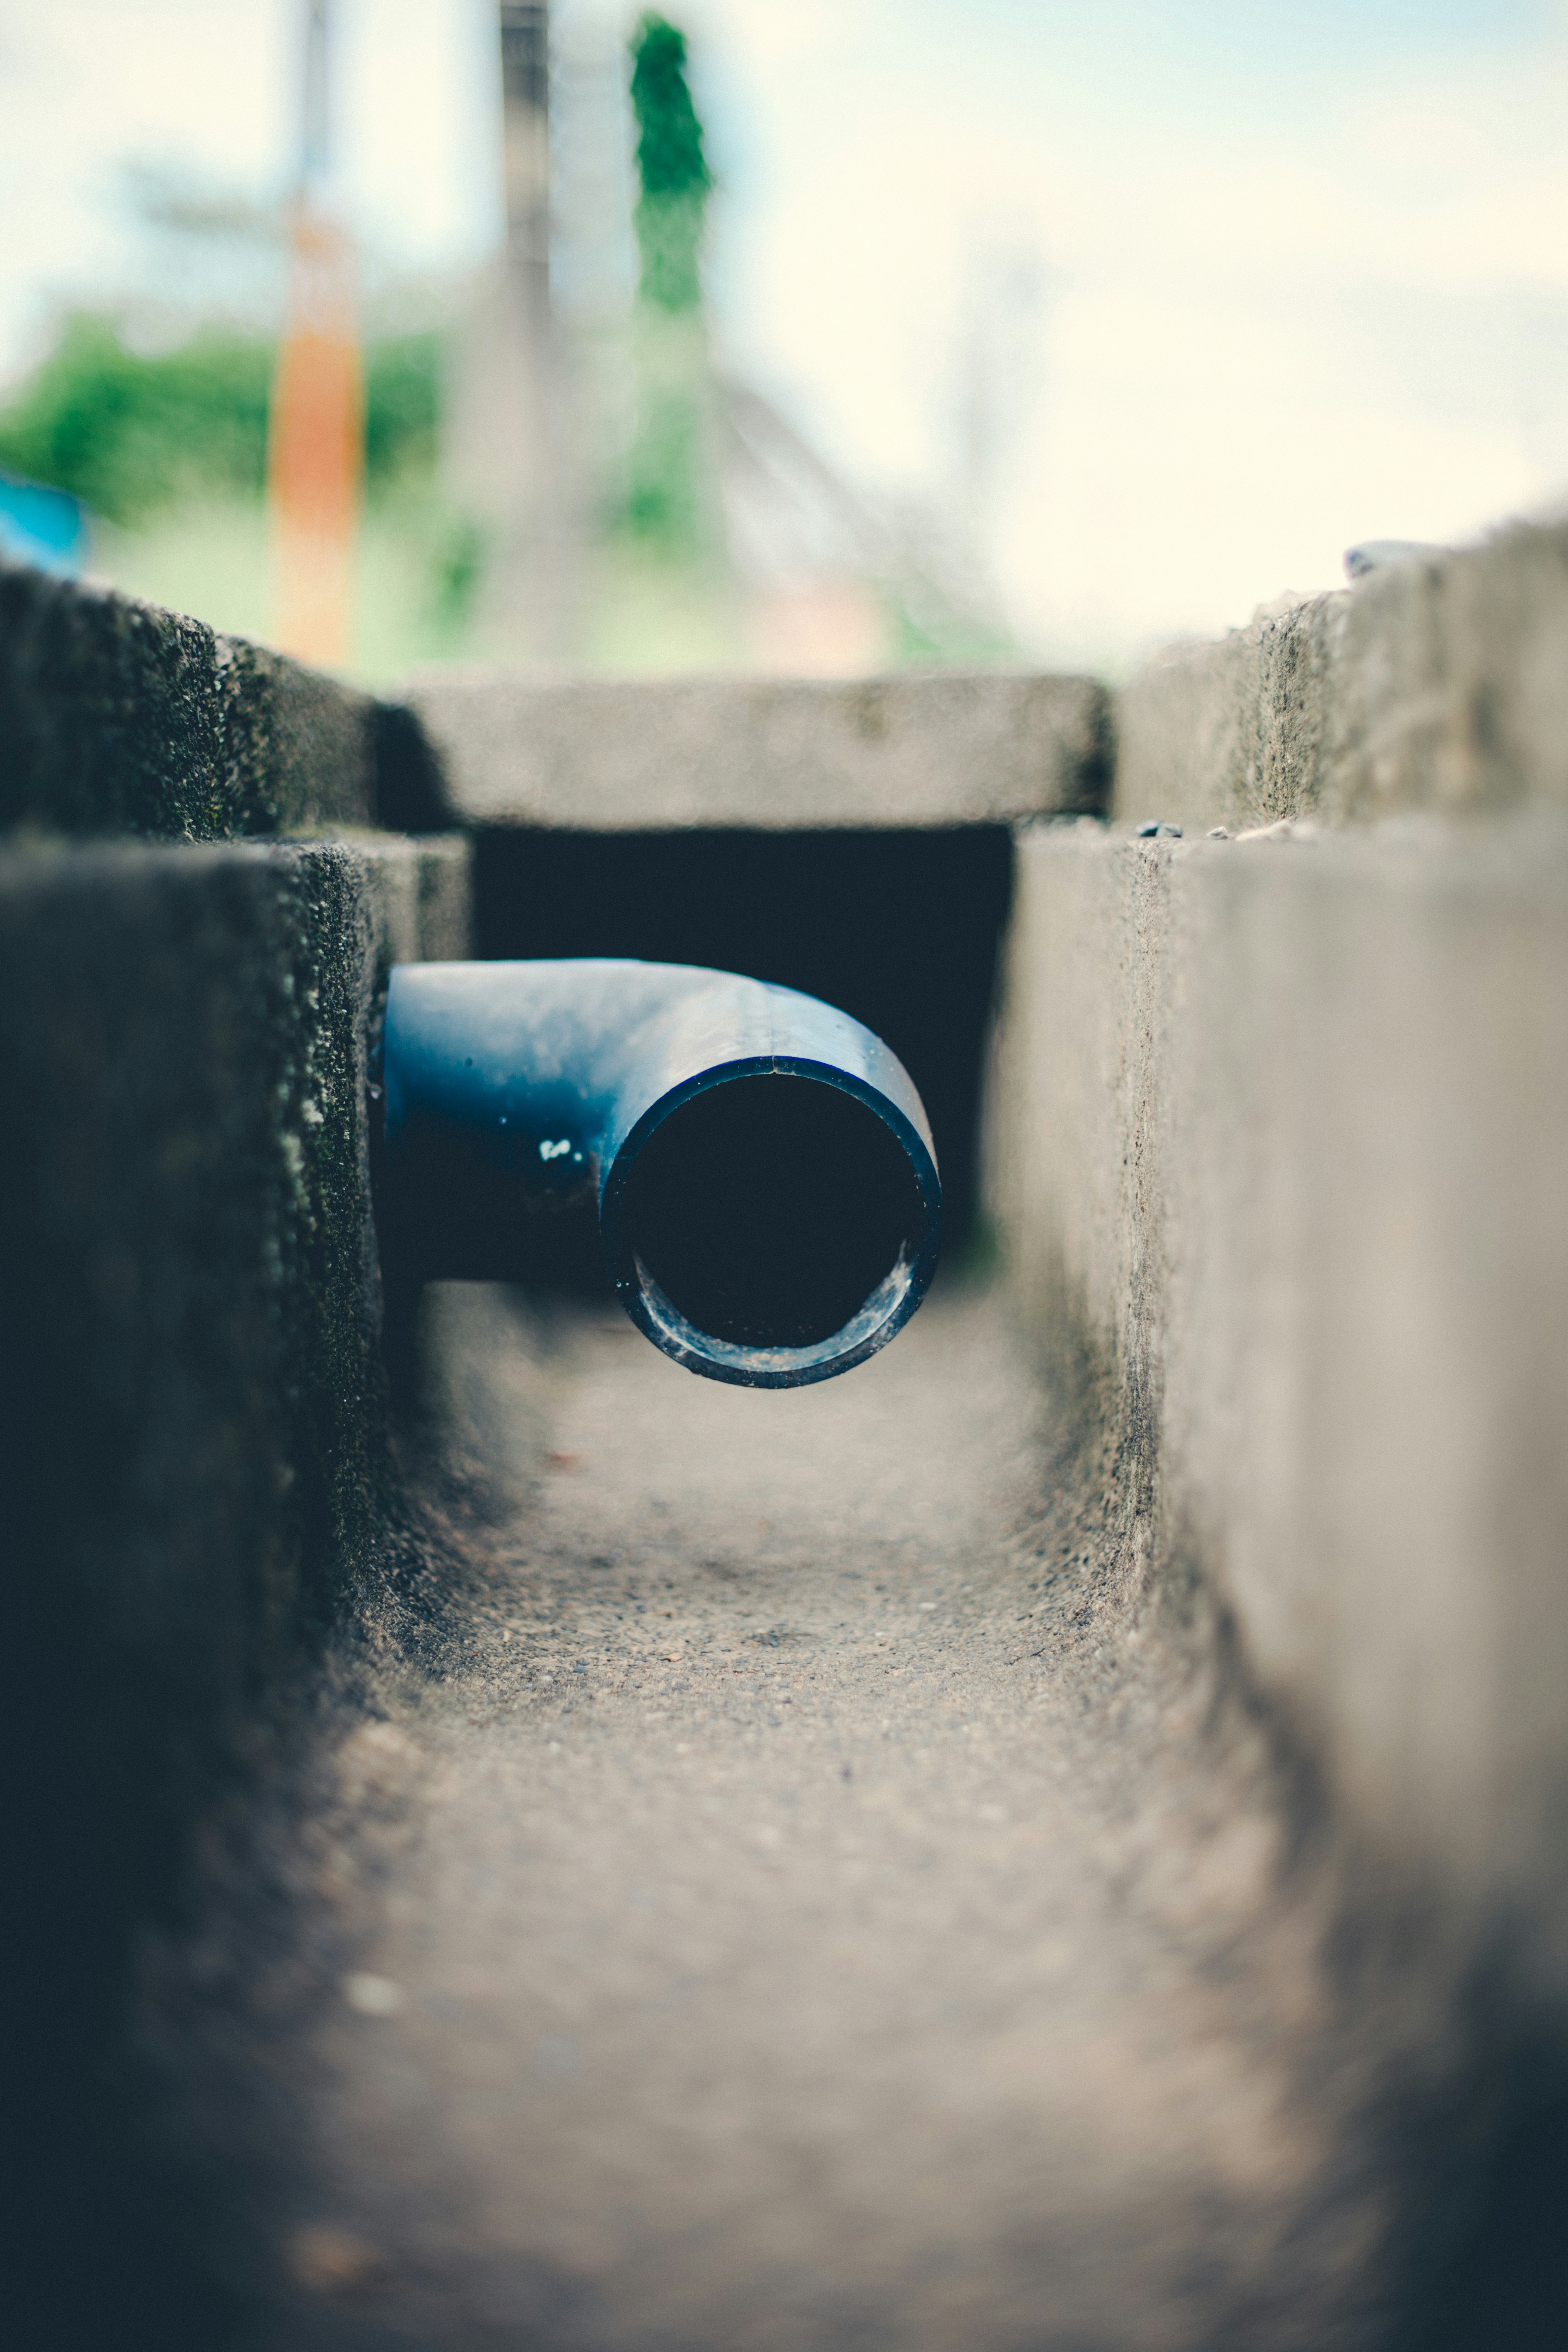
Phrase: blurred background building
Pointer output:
(993, 324)
(555, 469)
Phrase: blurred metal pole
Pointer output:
(525, 102)
(316, 439)
(502, 435)
(522, 590)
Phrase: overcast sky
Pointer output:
(1255, 279)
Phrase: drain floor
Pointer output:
(795, 1910)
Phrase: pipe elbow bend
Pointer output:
(761, 1165)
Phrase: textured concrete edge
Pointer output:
(119, 719)
(1440, 683)
(1276, 1152)
(768, 755)
(194, 1440)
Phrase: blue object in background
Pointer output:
(42, 527)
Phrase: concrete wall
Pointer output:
(779, 754)
(194, 1442)
(1280, 1134)
(192, 1434)
(192, 1313)
(1436, 684)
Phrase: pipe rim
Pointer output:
(879, 1318)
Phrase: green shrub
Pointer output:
(672, 169)
(129, 433)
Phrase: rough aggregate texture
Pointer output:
(117, 718)
(1438, 684)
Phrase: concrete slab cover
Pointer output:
(641, 755)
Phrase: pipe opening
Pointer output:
(769, 1208)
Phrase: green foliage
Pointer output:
(664, 501)
(925, 626)
(402, 405)
(671, 167)
(126, 433)
(132, 433)
(455, 566)
(669, 492)
(670, 161)
(669, 247)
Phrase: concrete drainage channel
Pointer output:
(1052, 1839)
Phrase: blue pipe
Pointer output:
(763, 1171)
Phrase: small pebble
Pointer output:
(1219, 833)
(1375, 554)
(1159, 830)
(1284, 828)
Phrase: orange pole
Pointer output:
(316, 446)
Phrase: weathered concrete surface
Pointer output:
(1120, 1929)
(1279, 1147)
(641, 755)
(117, 718)
(1440, 684)
(779, 1886)
(193, 1444)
